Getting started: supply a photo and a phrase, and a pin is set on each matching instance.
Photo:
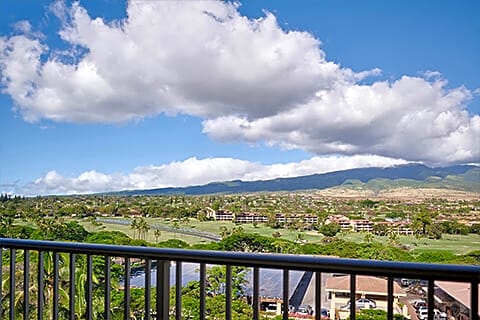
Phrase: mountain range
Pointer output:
(460, 177)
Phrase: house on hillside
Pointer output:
(362, 225)
(250, 217)
(289, 218)
(223, 215)
(343, 221)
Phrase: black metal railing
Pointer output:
(18, 251)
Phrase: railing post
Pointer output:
(178, 290)
(431, 300)
(203, 280)
(12, 283)
(286, 290)
(71, 291)
(353, 295)
(41, 285)
(318, 295)
(55, 257)
(26, 284)
(107, 288)
(126, 290)
(228, 292)
(390, 298)
(89, 294)
(163, 289)
(474, 300)
(1, 280)
(148, 288)
(256, 290)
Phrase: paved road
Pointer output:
(190, 232)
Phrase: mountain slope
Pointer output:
(464, 177)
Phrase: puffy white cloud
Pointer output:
(200, 58)
(411, 118)
(247, 78)
(194, 171)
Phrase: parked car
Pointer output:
(304, 310)
(404, 282)
(362, 304)
(413, 302)
(437, 314)
(422, 314)
(421, 308)
(419, 303)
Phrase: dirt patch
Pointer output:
(405, 194)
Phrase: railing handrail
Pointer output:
(427, 271)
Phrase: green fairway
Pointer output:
(458, 244)
(150, 234)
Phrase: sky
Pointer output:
(111, 95)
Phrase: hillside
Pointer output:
(464, 177)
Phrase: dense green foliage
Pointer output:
(329, 230)
(375, 314)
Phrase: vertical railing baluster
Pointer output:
(431, 301)
(71, 291)
(318, 295)
(26, 284)
(41, 284)
(353, 294)
(148, 287)
(256, 293)
(390, 298)
(203, 280)
(126, 290)
(1, 280)
(474, 300)
(12, 283)
(89, 295)
(228, 292)
(285, 293)
(178, 290)
(108, 288)
(163, 289)
(55, 285)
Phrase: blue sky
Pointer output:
(182, 93)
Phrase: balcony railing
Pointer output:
(16, 258)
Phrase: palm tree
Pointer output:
(48, 290)
(142, 227)
(6, 224)
(134, 226)
(157, 234)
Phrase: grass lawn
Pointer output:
(458, 244)
(150, 234)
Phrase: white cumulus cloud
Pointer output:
(410, 118)
(248, 79)
(200, 58)
(194, 171)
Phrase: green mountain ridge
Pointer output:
(463, 178)
(468, 181)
